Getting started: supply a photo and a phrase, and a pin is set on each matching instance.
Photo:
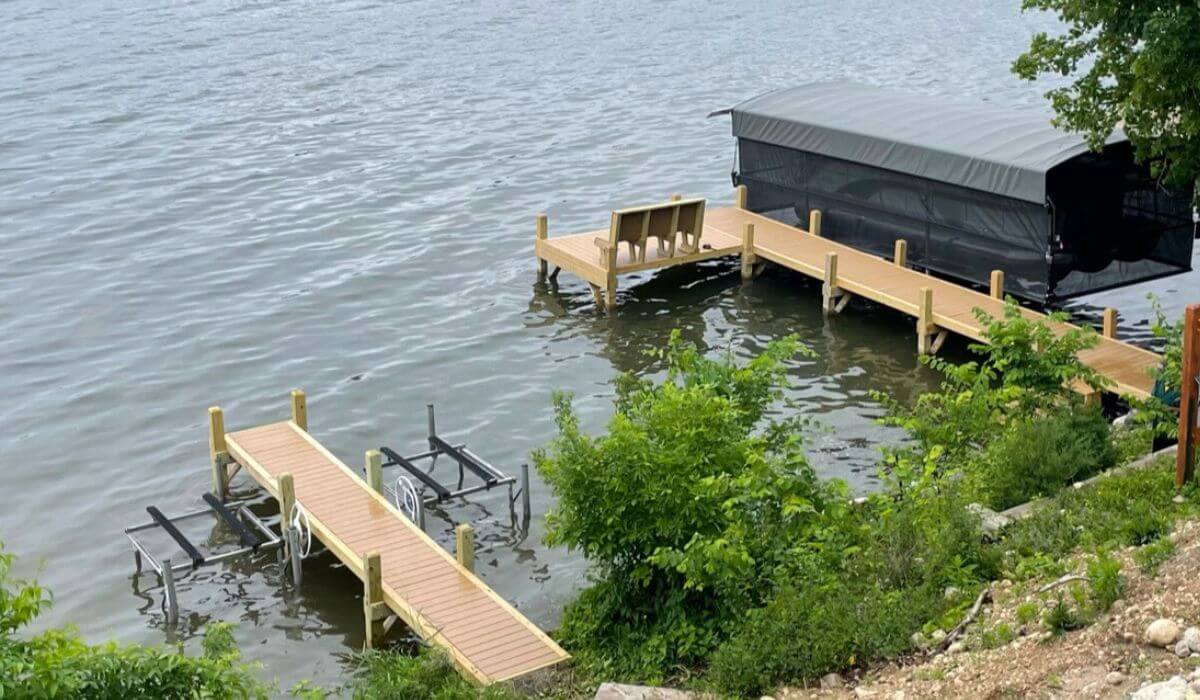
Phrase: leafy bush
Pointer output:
(992, 418)
(687, 508)
(428, 675)
(1040, 455)
(1107, 586)
(1061, 617)
(1154, 555)
(58, 664)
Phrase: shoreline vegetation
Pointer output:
(722, 563)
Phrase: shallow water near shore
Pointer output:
(216, 203)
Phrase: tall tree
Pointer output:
(1134, 63)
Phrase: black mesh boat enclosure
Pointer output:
(971, 187)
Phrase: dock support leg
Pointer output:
(900, 254)
(833, 300)
(748, 259)
(814, 222)
(375, 612)
(929, 336)
(525, 493)
(996, 286)
(464, 546)
(169, 596)
(291, 536)
(543, 231)
(740, 196)
(299, 409)
(218, 453)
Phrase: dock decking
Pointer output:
(421, 583)
(938, 305)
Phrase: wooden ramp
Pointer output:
(421, 583)
(938, 305)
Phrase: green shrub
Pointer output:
(1040, 455)
(1061, 617)
(56, 663)
(1153, 555)
(999, 635)
(687, 508)
(429, 674)
(1107, 586)
(1026, 612)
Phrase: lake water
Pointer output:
(213, 203)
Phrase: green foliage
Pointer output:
(1154, 555)
(1157, 414)
(1061, 617)
(57, 663)
(1009, 421)
(1026, 612)
(999, 635)
(428, 675)
(1107, 586)
(1120, 510)
(1040, 455)
(687, 508)
(1133, 63)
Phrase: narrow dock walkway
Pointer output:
(421, 583)
(938, 305)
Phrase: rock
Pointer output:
(863, 693)
(938, 636)
(1191, 635)
(1162, 633)
(831, 681)
(1179, 499)
(1181, 649)
(990, 521)
(1115, 678)
(919, 641)
(619, 691)
(951, 593)
(1174, 689)
(898, 695)
(956, 648)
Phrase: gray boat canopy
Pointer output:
(981, 146)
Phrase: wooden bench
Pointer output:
(675, 223)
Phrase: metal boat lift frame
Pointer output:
(259, 539)
(467, 461)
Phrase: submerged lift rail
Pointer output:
(234, 515)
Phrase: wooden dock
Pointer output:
(939, 306)
(403, 570)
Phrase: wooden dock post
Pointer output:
(900, 255)
(375, 611)
(996, 288)
(740, 196)
(299, 409)
(1189, 398)
(748, 251)
(374, 465)
(218, 452)
(1110, 323)
(929, 336)
(814, 222)
(543, 231)
(291, 538)
(833, 300)
(464, 546)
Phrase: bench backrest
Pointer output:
(636, 224)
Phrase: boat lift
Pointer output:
(294, 542)
(413, 502)
(253, 535)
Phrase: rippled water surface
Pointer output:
(217, 202)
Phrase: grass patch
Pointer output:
(1153, 555)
